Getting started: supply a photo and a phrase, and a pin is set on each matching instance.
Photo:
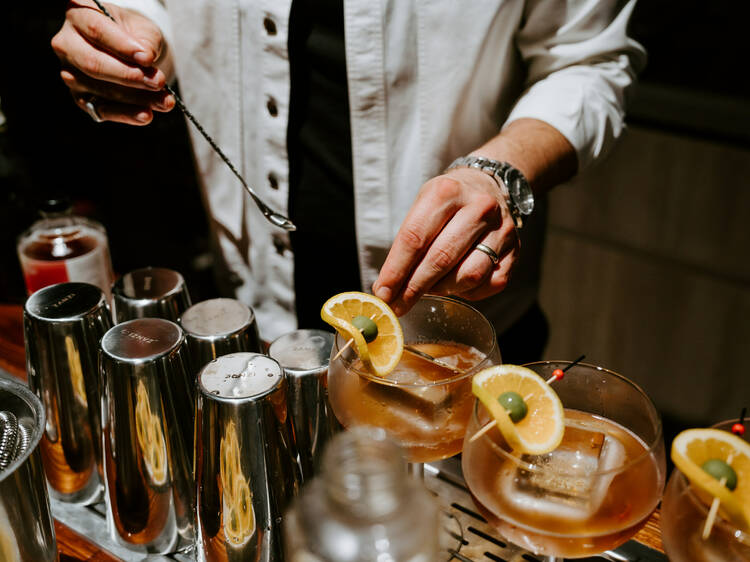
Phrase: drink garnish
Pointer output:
(557, 375)
(717, 464)
(739, 427)
(541, 428)
(381, 352)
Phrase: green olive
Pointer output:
(514, 405)
(719, 469)
(368, 328)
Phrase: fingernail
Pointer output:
(383, 293)
(142, 116)
(397, 308)
(141, 57)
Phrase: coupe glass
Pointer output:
(595, 490)
(683, 515)
(424, 407)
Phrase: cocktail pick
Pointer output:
(557, 374)
(348, 343)
(277, 219)
(419, 353)
(738, 429)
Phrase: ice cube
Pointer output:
(570, 483)
(412, 393)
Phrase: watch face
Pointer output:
(522, 195)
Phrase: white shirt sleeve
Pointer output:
(580, 63)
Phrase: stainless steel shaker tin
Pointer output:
(245, 469)
(304, 355)
(150, 292)
(63, 324)
(27, 532)
(147, 416)
(217, 327)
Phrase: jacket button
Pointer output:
(271, 106)
(273, 181)
(270, 26)
(280, 243)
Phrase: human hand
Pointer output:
(434, 250)
(114, 63)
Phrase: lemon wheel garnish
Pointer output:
(541, 429)
(693, 447)
(381, 355)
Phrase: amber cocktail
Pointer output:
(683, 516)
(590, 494)
(423, 406)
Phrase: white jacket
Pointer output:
(429, 80)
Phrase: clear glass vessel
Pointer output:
(423, 406)
(595, 490)
(62, 247)
(363, 507)
(683, 515)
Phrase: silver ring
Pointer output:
(489, 252)
(91, 109)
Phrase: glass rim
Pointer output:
(736, 532)
(456, 378)
(531, 467)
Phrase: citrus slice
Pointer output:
(382, 354)
(541, 428)
(693, 447)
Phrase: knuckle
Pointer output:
(412, 238)
(411, 292)
(94, 29)
(133, 75)
(91, 64)
(58, 43)
(446, 188)
(441, 259)
(472, 276)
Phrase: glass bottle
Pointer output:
(61, 247)
(363, 507)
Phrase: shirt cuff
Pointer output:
(584, 103)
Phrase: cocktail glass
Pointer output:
(683, 515)
(595, 490)
(423, 407)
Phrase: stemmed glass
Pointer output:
(595, 490)
(683, 515)
(423, 406)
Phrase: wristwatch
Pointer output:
(513, 184)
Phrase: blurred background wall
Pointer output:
(646, 264)
(647, 267)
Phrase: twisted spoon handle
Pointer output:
(273, 217)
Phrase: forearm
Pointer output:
(537, 149)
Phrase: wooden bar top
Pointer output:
(74, 547)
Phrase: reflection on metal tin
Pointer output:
(150, 292)
(304, 356)
(218, 327)
(245, 469)
(148, 436)
(63, 324)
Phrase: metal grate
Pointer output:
(476, 541)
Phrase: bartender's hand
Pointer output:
(434, 250)
(112, 64)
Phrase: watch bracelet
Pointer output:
(494, 169)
